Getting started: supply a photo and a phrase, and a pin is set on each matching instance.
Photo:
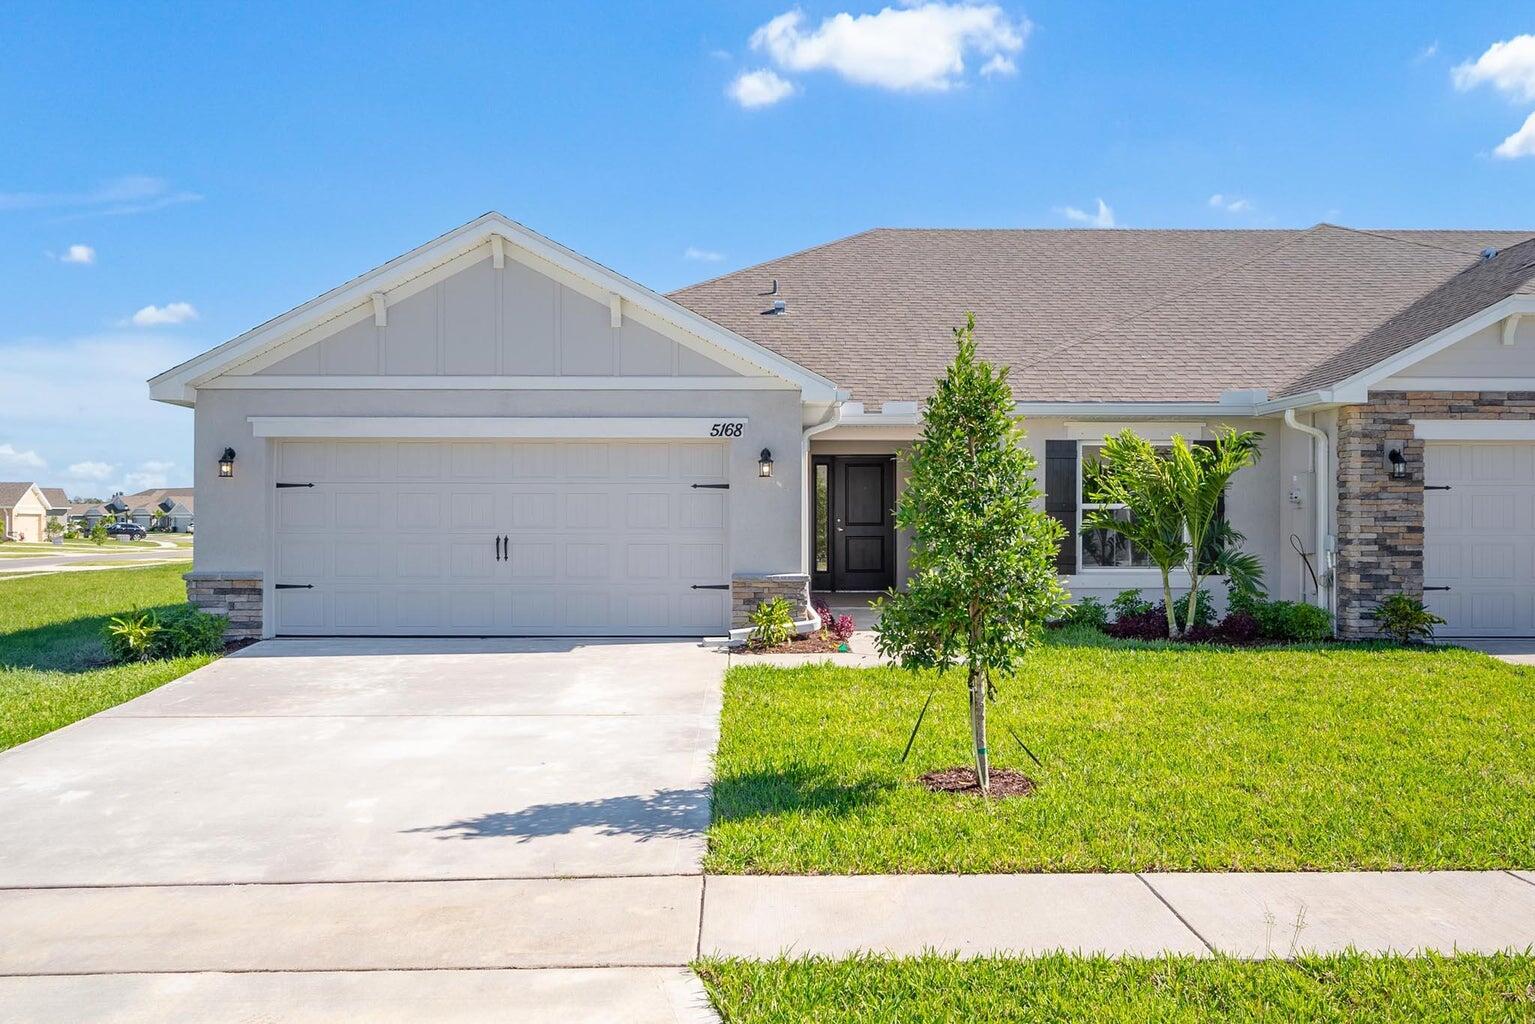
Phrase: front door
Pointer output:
(860, 504)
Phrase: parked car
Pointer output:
(132, 531)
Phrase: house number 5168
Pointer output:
(726, 429)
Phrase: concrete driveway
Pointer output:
(325, 806)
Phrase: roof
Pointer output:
(55, 497)
(1097, 315)
(12, 491)
(149, 500)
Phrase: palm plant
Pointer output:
(1172, 500)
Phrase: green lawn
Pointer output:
(1348, 988)
(52, 665)
(1155, 757)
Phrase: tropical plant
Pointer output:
(1405, 619)
(1172, 499)
(132, 637)
(983, 579)
(99, 533)
(772, 624)
(54, 528)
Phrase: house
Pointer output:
(169, 508)
(58, 503)
(492, 434)
(23, 511)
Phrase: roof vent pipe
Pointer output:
(1487, 253)
(774, 290)
(780, 307)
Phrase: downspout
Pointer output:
(1319, 460)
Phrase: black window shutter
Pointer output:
(1061, 499)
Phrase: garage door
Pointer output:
(500, 538)
(1479, 537)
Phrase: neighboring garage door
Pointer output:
(406, 538)
(27, 527)
(1479, 537)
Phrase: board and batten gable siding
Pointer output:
(483, 321)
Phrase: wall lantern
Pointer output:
(227, 464)
(1398, 463)
(765, 463)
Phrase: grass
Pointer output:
(1156, 757)
(1352, 988)
(29, 549)
(53, 667)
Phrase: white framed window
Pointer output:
(1099, 550)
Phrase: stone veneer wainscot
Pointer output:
(1380, 520)
(747, 591)
(234, 594)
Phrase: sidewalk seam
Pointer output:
(1174, 910)
(1516, 876)
(703, 894)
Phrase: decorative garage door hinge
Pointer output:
(293, 586)
(711, 586)
(294, 485)
(1436, 487)
(712, 487)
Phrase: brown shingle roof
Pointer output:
(55, 497)
(1087, 315)
(11, 492)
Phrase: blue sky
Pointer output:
(220, 164)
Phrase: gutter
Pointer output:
(1319, 444)
(833, 418)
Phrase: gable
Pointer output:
(481, 301)
(1500, 356)
(484, 321)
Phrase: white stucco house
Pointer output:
(24, 511)
(492, 434)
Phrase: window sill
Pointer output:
(1124, 579)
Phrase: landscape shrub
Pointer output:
(1204, 611)
(1405, 620)
(1292, 621)
(772, 624)
(177, 633)
(842, 628)
(1238, 628)
(1146, 625)
(1129, 603)
(1088, 611)
(839, 627)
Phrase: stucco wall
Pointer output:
(232, 528)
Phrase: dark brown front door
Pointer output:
(862, 522)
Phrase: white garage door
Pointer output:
(1479, 537)
(500, 538)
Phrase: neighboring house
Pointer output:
(58, 503)
(494, 435)
(23, 511)
(173, 505)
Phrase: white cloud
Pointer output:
(91, 470)
(115, 198)
(1231, 204)
(78, 254)
(919, 47)
(81, 403)
(998, 65)
(1521, 143)
(170, 313)
(1508, 66)
(13, 458)
(760, 88)
(692, 252)
(151, 473)
(1104, 218)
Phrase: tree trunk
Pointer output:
(1189, 615)
(1167, 602)
(978, 728)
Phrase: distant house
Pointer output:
(58, 503)
(23, 511)
(172, 504)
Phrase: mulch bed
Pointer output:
(1004, 782)
(813, 643)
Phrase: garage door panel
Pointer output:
(602, 537)
(1479, 537)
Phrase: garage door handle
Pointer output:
(280, 484)
(1436, 588)
(711, 586)
(293, 586)
(1436, 487)
(711, 487)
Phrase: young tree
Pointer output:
(983, 577)
(1172, 500)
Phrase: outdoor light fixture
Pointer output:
(227, 464)
(765, 463)
(1398, 463)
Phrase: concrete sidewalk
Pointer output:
(1248, 915)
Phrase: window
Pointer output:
(1104, 549)
(821, 525)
